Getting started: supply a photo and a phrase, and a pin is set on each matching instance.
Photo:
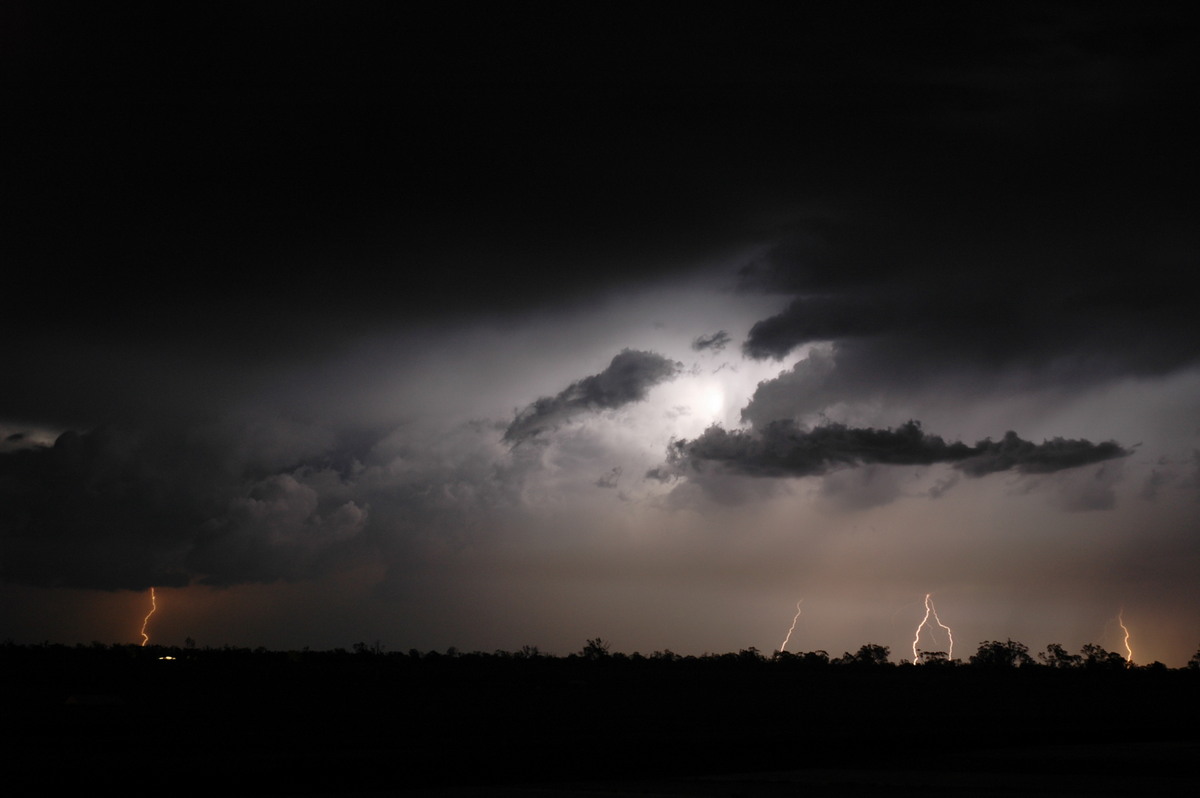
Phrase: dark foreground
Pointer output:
(225, 721)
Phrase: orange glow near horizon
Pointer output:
(930, 609)
(146, 620)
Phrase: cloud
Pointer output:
(610, 479)
(1082, 491)
(1055, 303)
(785, 449)
(809, 386)
(92, 511)
(862, 488)
(812, 319)
(277, 529)
(1056, 454)
(119, 508)
(660, 474)
(716, 342)
(942, 486)
(628, 378)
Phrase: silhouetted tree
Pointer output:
(868, 655)
(1097, 658)
(1009, 654)
(751, 654)
(596, 649)
(814, 658)
(1194, 662)
(1055, 656)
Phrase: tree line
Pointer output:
(991, 655)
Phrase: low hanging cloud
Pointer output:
(628, 378)
(243, 502)
(785, 449)
(125, 509)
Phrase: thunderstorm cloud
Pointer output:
(628, 378)
(115, 509)
(785, 449)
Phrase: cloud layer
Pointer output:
(784, 449)
(119, 508)
(628, 378)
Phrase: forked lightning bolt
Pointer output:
(146, 621)
(931, 610)
(783, 645)
(1125, 629)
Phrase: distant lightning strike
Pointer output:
(146, 620)
(783, 645)
(931, 610)
(1125, 629)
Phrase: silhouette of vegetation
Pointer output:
(1055, 656)
(307, 721)
(595, 649)
(1096, 658)
(869, 655)
(994, 654)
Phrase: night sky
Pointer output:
(522, 325)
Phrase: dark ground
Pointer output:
(337, 723)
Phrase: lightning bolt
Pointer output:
(146, 620)
(931, 610)
(783, 645)
(1125, 629)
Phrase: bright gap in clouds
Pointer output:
(712, 391)
(712, 401)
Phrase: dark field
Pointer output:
(218, 721)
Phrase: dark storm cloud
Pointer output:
(271, 206)
(784, 449)
(948, 321)
(116, 509)
(810, 385)
(628, 378)
(815, 319)
(1056, 454)
(89, 512)
(715, 342)
(1006, 229)
(975, 335)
